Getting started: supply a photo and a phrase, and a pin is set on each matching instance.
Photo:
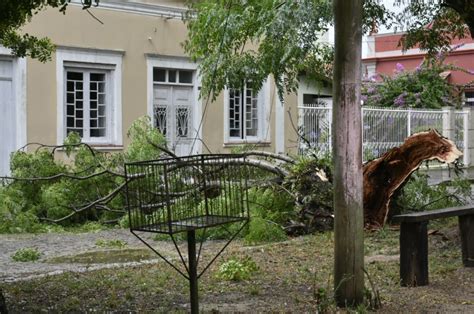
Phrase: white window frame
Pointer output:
(19, 94)
(86, 104)
(177, 82)
(108, 61)
(264, 112)
(176, 63)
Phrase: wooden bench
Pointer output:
(414, 241)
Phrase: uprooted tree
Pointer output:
(90, 187)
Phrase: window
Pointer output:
(245, 112)
(469, 96)
(171, 76)
(173, 102)
(315, 100)
(89, 95)
(86, 103)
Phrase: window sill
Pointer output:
(105, 147)
(101, 147)
(249, 142)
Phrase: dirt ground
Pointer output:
(75, 275)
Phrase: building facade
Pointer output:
(105, 75)
(384, 53)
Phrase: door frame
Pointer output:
(171, 119)
(18, 95)
(179, 63)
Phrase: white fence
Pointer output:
(382, 128)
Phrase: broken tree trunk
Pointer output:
(384, 175)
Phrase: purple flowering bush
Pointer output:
(423, 87)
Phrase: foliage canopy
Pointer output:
(14, 14)
(239, 41)
(252, 39)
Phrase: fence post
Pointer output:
(300, 128)
(362, 113)
(469, 149)
(409, 122)
(466, 135)
(448, 122)
(330, 124)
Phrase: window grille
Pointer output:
(86, 103)
(243, 113)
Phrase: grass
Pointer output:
(113, 244)
(294, 275)
(102, 257)
(26, 255)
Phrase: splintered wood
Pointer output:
(386, 174)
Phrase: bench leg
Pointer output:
(466, 228)
(414, 254)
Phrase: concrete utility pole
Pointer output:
(347, 154)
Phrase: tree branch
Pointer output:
(100, 201)
(65, 175)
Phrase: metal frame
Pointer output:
(167, 185)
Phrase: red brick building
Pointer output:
(382, 54)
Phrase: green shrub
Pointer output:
(418, 195)
(124, 222)
(118, 244)
(424, 87)
(26, 255)
(26, 205)
(91, 226)
(271, 203)
(144, 140)
(237, 269)
(264, 231)
(161, 237)
(221, 232)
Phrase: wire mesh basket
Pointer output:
(187, 193)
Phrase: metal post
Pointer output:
(193, 278)
(330, 127)
(448, 123)
(409, 122)
(466, 157)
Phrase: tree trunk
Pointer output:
(347, 154)
(386, 174)
(3, 304)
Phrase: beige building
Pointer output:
(104, 76)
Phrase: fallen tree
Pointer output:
(383, 178)
(385, 175)
(97, 182)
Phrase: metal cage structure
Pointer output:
(184, 194)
